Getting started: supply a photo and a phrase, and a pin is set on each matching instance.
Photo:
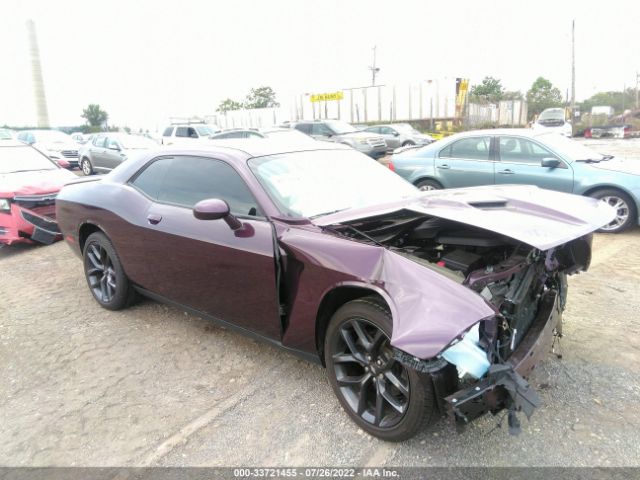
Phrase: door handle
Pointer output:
(444, 166)
(154, 219)
(507, 172)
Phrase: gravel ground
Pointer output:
(154, 386)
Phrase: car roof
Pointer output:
(522, 132)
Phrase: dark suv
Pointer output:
(345, 133)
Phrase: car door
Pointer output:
(113, 153)
(520, 162)
(205, 265)
(391, 137)
(466, 162)
(97, 152)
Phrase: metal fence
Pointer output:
(432, 101)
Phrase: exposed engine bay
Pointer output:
(519, 282)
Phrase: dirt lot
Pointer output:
(153, 386)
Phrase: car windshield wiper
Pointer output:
(327, 213)
(607, 157)
(589, 160)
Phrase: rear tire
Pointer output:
(626, 212)
(105, 276)
(86, 167)
(427, 184)
(408, 143)
(382, 396)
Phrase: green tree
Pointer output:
(542, 95)
(490, 89)
(94, 115)
(228, 105)
(513, 95)
(261, 97)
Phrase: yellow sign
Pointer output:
(326, 97)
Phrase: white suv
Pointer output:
(181, 133)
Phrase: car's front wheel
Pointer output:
(382, 396)
(427, 184)
(104, 273)
(85, 164)
(626, 214)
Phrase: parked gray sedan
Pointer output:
(523, 156)
(400, 135)
(106, 151)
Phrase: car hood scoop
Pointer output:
(541, 218)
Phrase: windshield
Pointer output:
(570, 148)
(53, 136)
(406, 128)
(552, 114)
(134, 141)
(340, 128)
(23, 159)
(311, 184)
(204, 130)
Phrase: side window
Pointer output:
(374, 130)
(387, 131)
(254, 135)
(184, 181)
(193, 133)
(167, 132)
(304, 127)
(321, 129)
(474, 148)
(521, 150)
(150, 179)
(99, 141)
(182, 131)
(113, 144)
(445, 152)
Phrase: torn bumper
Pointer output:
(22, 225)
(505, 384)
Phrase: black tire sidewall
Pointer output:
(431, 183)
(633, 214)
(123, 294)
(421, 399)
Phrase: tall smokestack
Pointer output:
(36, 75)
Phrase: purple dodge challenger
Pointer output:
(416, 302)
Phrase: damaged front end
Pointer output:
(486, 366)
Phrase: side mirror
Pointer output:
(114, 147)
(216, 209)
(396, 134)
(550, 162)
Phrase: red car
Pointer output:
(29, 183)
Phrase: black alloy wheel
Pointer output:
(381, 395)
(106, 279)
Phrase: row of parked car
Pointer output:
(492, 157)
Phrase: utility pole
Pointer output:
(573, 73)
(637, 78)
(36, 75)
(373, 68)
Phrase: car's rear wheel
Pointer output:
(86, 166)
(381, 395)
(426, 185)
(408, 143)
(626, 214)
(104, 273)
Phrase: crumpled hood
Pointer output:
(541, 218)
(619, 165)
(34, 183)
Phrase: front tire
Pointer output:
(104, 273)
(427, 184)
(86, 167)
(626, 213)
(382, 396)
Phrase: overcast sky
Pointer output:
(143, 61)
